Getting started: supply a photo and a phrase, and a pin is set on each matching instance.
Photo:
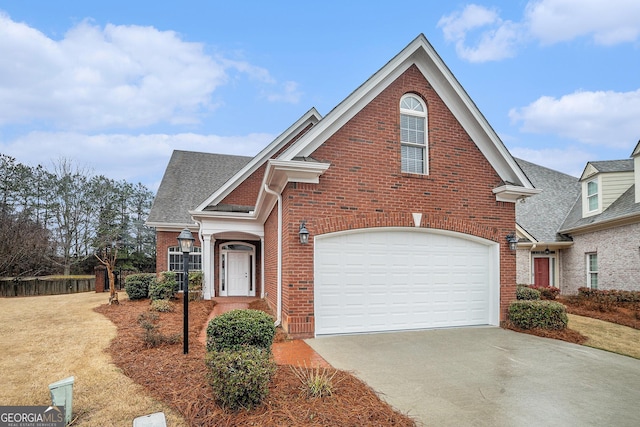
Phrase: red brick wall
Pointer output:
(271, 258)
(364, 187)
(246, 193)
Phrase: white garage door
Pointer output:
(390, 279)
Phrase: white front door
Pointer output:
(238, 274)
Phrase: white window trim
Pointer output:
(589, 271)
(425, 146)
(585, 197)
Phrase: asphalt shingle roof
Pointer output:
(542, 215)
(625, 165)
(190, 178)
(625, 205)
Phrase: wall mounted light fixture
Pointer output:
(303, 233)
(513, 241)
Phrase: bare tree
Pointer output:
(108, 258)
(70, 212)
(23, 246)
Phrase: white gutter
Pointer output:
(279, 280)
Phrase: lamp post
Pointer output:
(185, 241)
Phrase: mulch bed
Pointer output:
(180, 379)
(626, 314)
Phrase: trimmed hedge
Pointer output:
(240, 379)
(165, 287)
(236, 329)
(613, 295)
(137, 285)
(526, 293)
(538, 314)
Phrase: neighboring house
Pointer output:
(582, 232)
(406, 193)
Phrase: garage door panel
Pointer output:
(400, 279)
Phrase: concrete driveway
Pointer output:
(488, 376)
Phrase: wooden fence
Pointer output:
(45, 286)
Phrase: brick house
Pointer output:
(405, 191)
(581, 232)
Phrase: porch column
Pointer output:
(262, 267)
(208, 266)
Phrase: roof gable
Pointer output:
(420, 53)
(606, 166)
(177, 189)
(311, 117)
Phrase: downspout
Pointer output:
(279, 279)
(201, 239)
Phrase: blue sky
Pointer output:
(117, 86)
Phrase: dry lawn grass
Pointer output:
(44, 339)
(607, 336)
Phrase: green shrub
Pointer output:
(547, 292)
(538, 314)
(161, 305)
(240, 379)
(165, 287)
(526, 293)
(195, 285)
(239, 328)
(612, 296)
(137, 285)
(151, 335)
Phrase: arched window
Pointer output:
(413, 135)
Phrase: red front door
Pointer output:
(541, 271)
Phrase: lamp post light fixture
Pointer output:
(185, 241)
(513, 241)
(303, 233)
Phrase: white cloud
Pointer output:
(134, 158)
(496, 41)
(608, 22)
(115, 77)
(119, 76)
(480, 34)
(607, 119)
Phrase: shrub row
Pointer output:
(527, 314)
(146, 285)
(239, 357)
(614, 295)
